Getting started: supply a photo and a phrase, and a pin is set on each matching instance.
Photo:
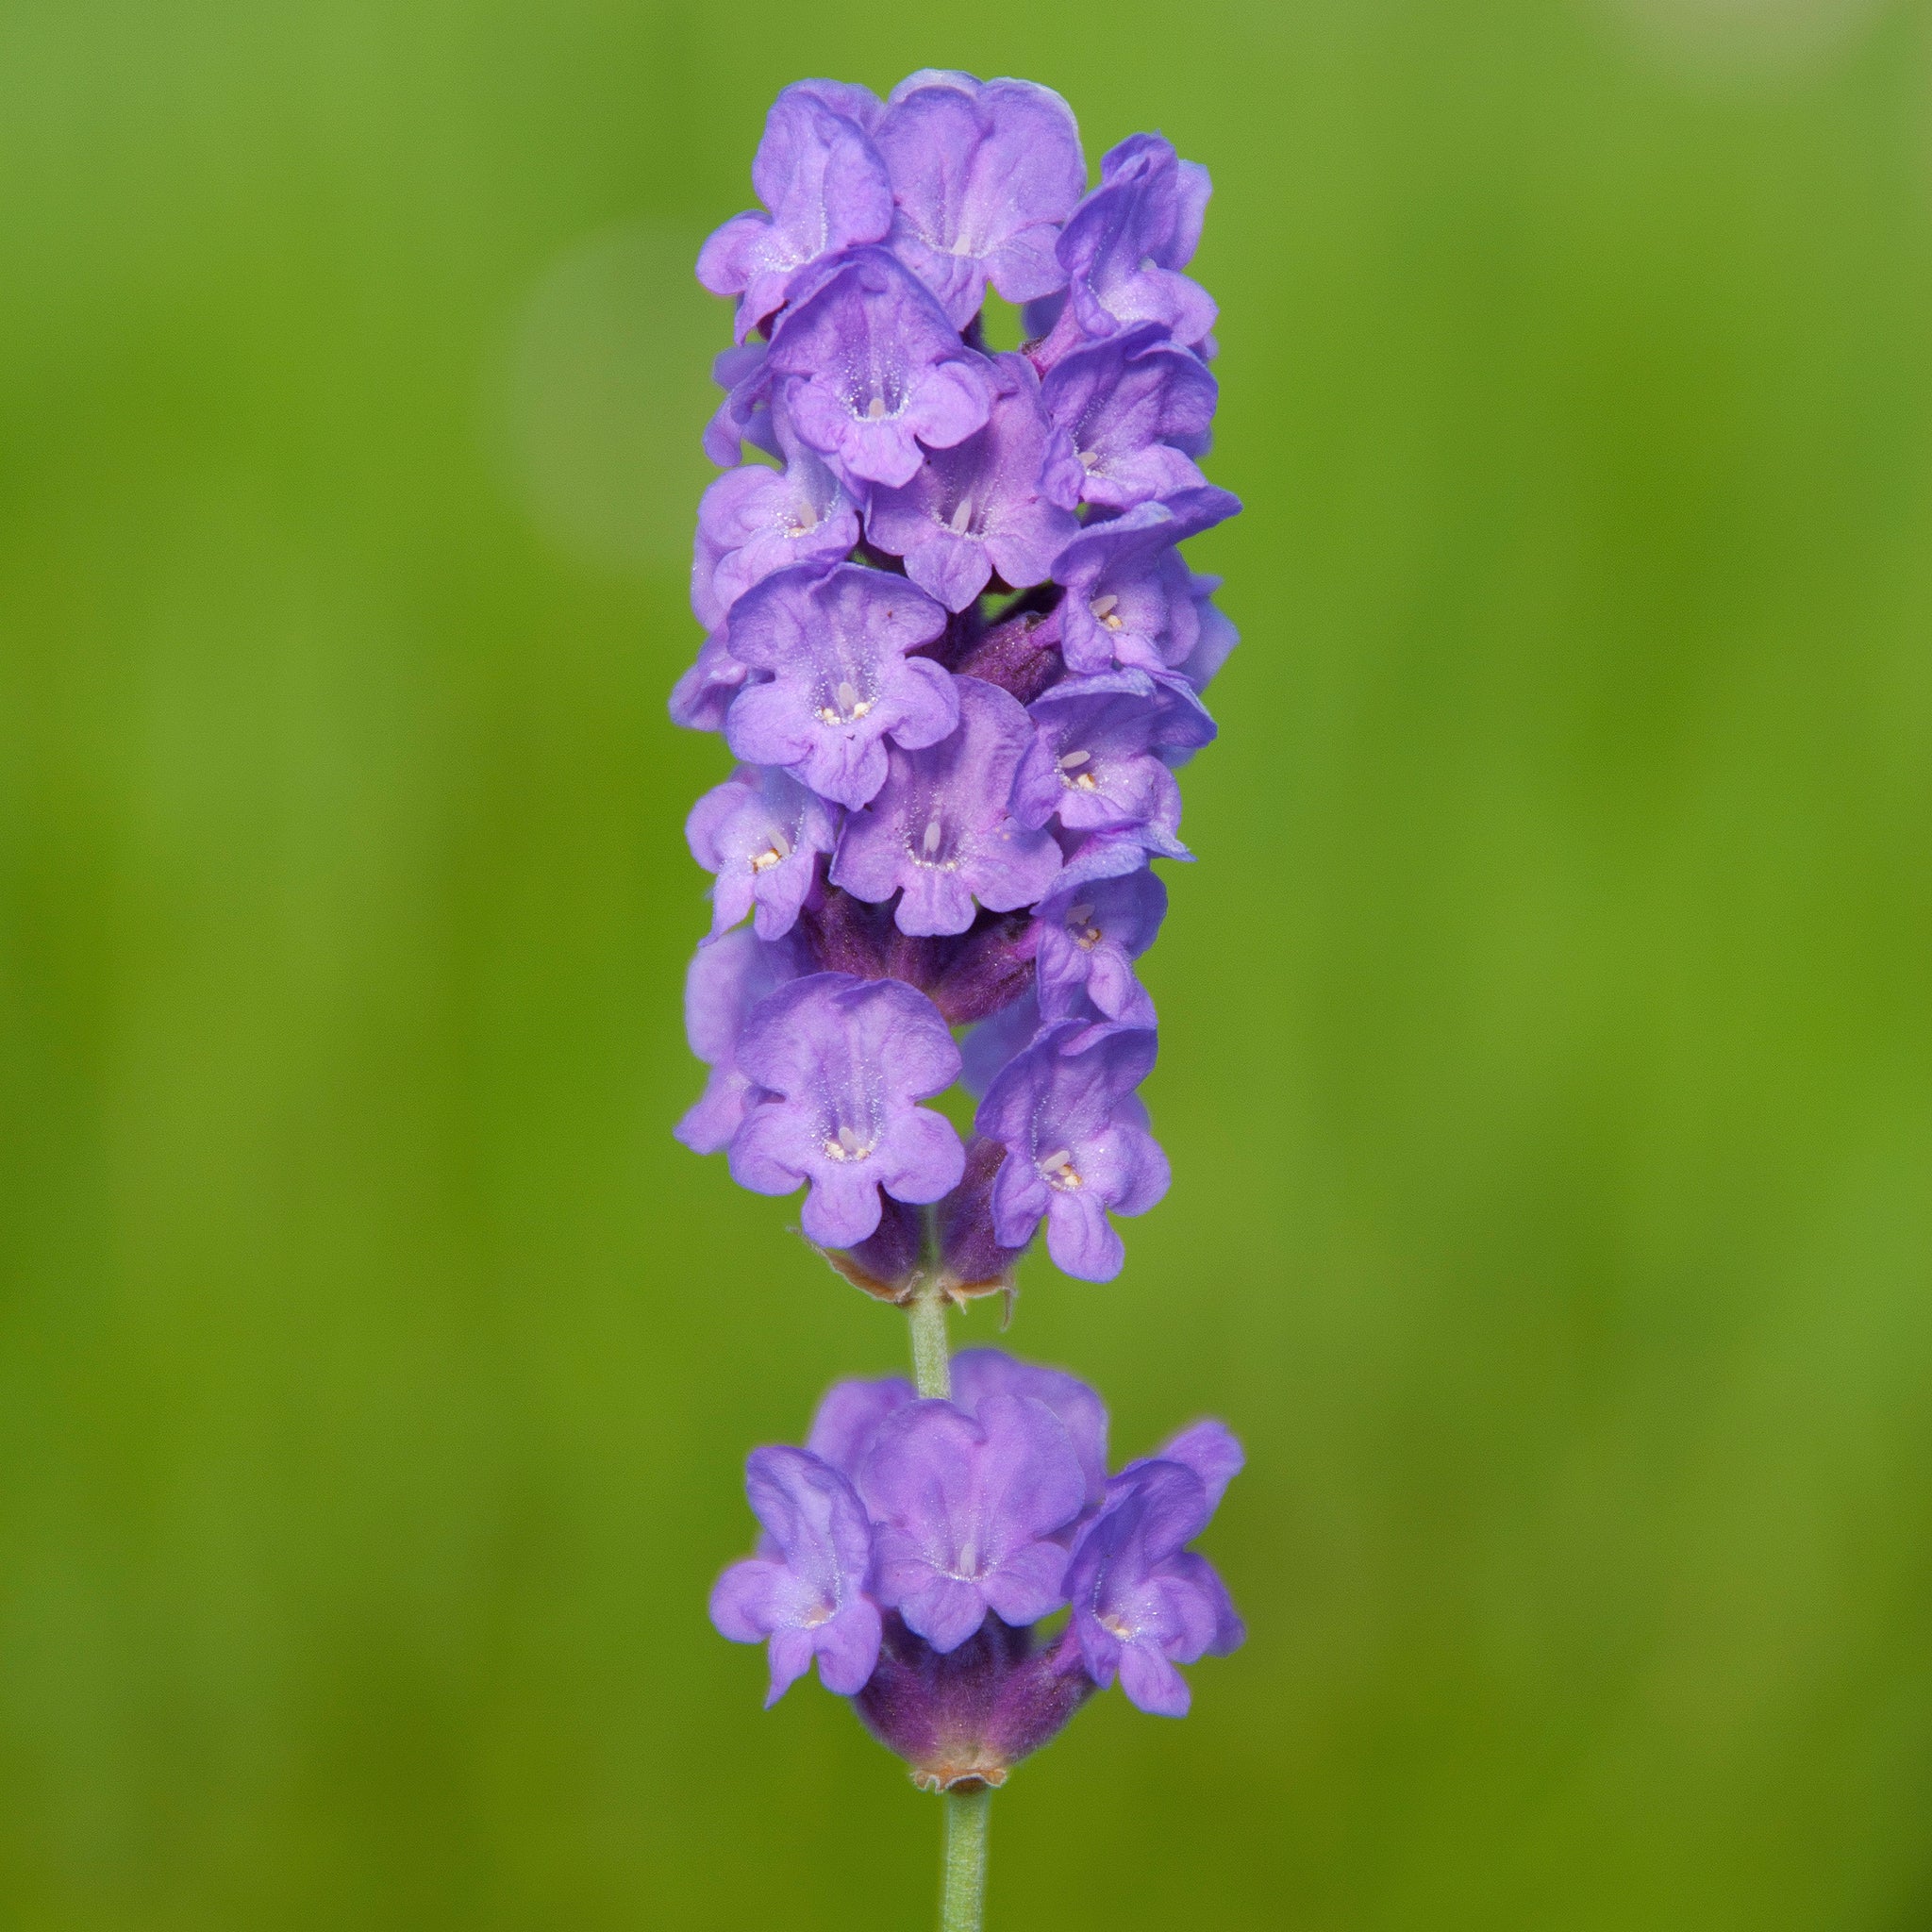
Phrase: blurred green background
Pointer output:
(1548, 1063)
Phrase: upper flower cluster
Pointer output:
(911, 1546)
(953, 645)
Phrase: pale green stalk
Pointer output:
(962, 1873)
(962, 1880)
(928, 1309)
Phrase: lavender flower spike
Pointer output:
(841, 682)
(983, 173)
(871, 370)
(1142, 1602)
(939, 831)
(1076, 1143)
(804, 1592)
(827, 188)
(986, 779)
(964, 1509)
(1000, 501)
(845, 1062)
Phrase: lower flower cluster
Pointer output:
(917, 1548)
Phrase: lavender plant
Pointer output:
(952, 641)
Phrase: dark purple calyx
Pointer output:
(1021, 652)
(964, 1720)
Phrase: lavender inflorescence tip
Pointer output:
(954, 647)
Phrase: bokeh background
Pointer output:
(1547, 1061)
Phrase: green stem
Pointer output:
(928, 1309)
(962, 1880)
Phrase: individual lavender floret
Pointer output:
(1142, 1602)
(844, 1063)
(841, 682)
(754, 521)
(701, 699)
(1096, 761)
(745, 414)
(849, 1417)
(1089, 938)
(964, 1509)
(762, 832)
(939, 831)
(1129, 595)
(1217, 639)
(827, 188)
(981, 1372)
(1001, 500)
(992, 1046)
(1138, 410)
(1076, 1143)
(727, 978)
(984, 173)
(1209, 1448)
(871, 369)
(1123, 246)
(804, 1591)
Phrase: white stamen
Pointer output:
(848, 699)
(877, 409)
(1080, 915)
(1056, 1162)
(1101, 605)
(1073, 760)
(962, 517)
(930, 843)
(848, 1140)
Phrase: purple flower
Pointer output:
(849, 1417)
(1089, 938)
(702, 697)
(964, 1509)
(1096, 760)
(1123, 246)
(804, 1591)
(994, 1041)
(1130, 596)
(984, 173)
(1142, 1602)
(1138, 411)
(1216, 642)
(760, 832)
(1209, 1449)
(745, 414)
(725, 980)
(844, 1063)
(872, 369)
(1001, 500)
(980, 1373)
(938, 830)
(754, 521)
(1076, 1141)
(840, 680)
(827, 190)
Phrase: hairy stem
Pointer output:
(962, 1880)
(928, 1309)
